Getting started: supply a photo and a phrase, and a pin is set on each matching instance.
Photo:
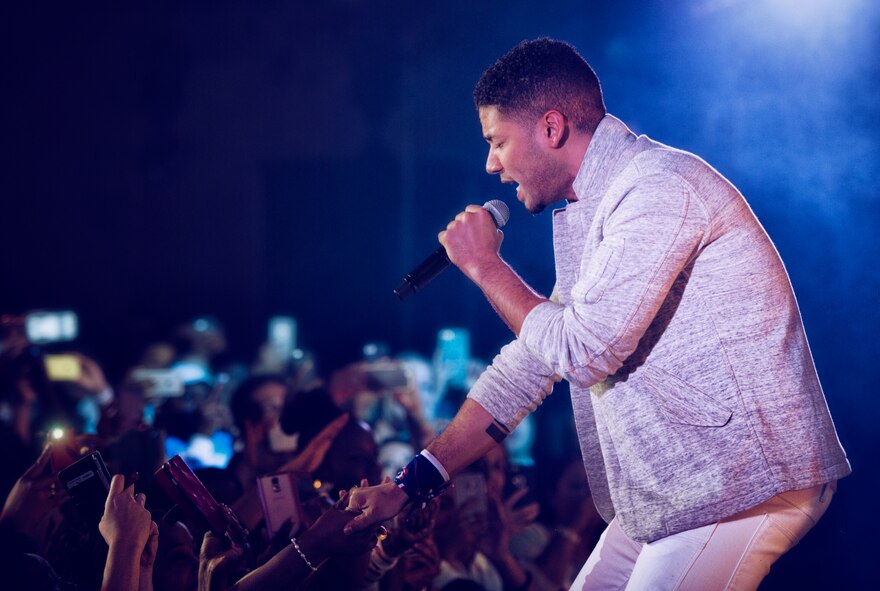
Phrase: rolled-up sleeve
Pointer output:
(647, 241)
(514, 385)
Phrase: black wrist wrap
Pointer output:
(421, 481)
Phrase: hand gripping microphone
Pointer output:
(418, 278)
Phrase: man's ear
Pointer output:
(554, 128)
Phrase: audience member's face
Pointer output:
(421, 564)
(272, 445)
(458, 531)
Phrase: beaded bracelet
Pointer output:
(302, 555)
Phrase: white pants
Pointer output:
(734, 553)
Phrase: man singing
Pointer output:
(704, 431)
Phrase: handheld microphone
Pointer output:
(418, 278)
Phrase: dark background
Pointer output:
(247, 159)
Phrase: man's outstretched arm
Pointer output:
(468, 437)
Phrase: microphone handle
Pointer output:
(423, 274)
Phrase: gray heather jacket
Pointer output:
(693, 386)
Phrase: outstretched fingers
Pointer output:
(39, 468)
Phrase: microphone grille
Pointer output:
(499, 210)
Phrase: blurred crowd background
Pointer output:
(277, 438)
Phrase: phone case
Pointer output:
(280, 501)
(87, 481)
(190, 495)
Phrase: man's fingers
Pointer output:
(141, 498)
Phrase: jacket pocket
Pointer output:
(682, 403)
(598, 272)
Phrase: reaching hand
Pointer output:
(92, 377)
(312, 456)
(408, 398)
(34, 495)
(125, 521)
(374, 504)
(325, 532)
(520, 518)
(508, 521)
(219, 557)
(148, 559)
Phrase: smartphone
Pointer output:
(452, 354)
(280, 501)
(87, 481)
(63, 368)
(517, 478)
(386, 375)
(469, 492)
(159, 383)
(188, 493)
(282, 335)
(68, 447)
(51, 327)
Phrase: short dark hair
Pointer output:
(243, 406)
(539, 75)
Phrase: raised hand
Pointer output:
(130, 533)
(34, 495)
(219, 557)
(92, 377)
(313, 454)
(519, 518)
(126, 521)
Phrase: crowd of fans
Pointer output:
(278, 446)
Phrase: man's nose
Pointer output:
(493, 165)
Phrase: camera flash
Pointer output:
(57, 433)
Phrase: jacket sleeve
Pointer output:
(514, 385)
(648, 239)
